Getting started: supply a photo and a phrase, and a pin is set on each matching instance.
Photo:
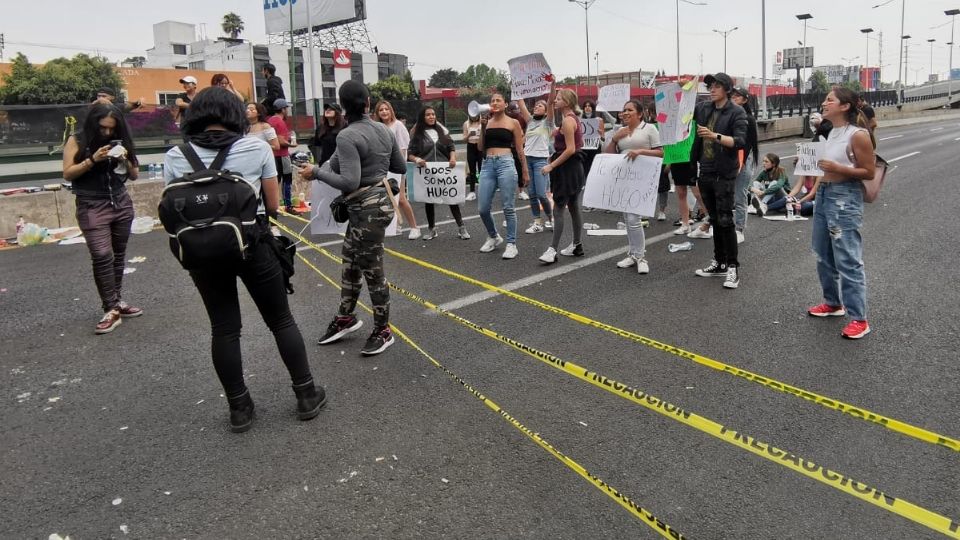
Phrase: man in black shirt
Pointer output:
(108, 97)
(274, 87)
(721, 132)
(184, 98)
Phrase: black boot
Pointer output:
(310, 399)
(241, 412)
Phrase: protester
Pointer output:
(282, 156)
(589, 110)
(366, 152)
(184, 98)
(567, 175)
(429, 141)
(499, 135)
(259, 127)
(684, 176)
(536, 148)
(471, 134)
(749, 157)
(222, 80)
(385, 114)
(216, 121)
(324, 142)
(107, 96)
(513, 111)
(98, 161)
(721, 132)
(848, 160)
(868, 120)
(771, 184)
(636, 138)
(274, 87)
(806, 190)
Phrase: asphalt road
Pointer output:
(127, 434)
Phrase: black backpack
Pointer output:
(210, 214)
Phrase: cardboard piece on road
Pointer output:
(591, 133)
(612, 97)
(675, 105)
(321, 195)
(619, 184)
(438, 183)
(808, 154)
(528, 76)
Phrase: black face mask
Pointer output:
(539, 116)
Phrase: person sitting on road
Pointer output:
(806, 190)
(770, 185)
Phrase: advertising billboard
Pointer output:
(319, 14)
(799, 57)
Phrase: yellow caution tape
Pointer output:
(638, 511)
(841, 482)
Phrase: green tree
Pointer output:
(232, 24)
(135, 61)
(853, 85)
(445, 78)
(393, 88)
(482, 76)
(818, 82)
(569, 80)
(59, 81)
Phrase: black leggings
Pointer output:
(474, 162)
(573, 205)
(432, 217)
(262, 277)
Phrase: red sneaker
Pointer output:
(826, 310)
(856, 330)
(128, 312)
(110, 320)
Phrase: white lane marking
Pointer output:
(549, 274)
(891, 137)
(788, 157)
(905, 156)
(936, 129)
(957, 139)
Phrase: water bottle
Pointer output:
(789, 211)
(153, 171)
(686, 246)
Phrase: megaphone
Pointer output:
(476, 109)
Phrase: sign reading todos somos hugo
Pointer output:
(437, 182)
(529, 76)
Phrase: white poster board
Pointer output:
(321, 195)
(619, 184)
(612, 97)
(276, 14)
(591, 133)
(808, 154)
(528, 76)
(675, 106)
(436, 182)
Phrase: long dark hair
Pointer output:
(355, 99)
(849, 97)
(420, 128)
(753, 143)
(593, 109)
(89, 139)
(325, 127)
(215, 105)
(777, 170)
(262, 112)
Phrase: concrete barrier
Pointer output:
(780, 128)
(55, 209)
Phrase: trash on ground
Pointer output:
(685, 246)
(137, 260)
(142, 225)
(129, 271)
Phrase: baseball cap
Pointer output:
(280, 103)
(741, 90)
(721, 78)
(188, 79)
(334, 106)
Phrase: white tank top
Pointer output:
(838, 147)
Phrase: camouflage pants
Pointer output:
(370, 214)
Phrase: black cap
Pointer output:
(721, 78)
(334, 106)
(107, 90)
(741, 90)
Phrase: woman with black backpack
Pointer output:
(214, 125)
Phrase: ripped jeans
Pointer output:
(837, 218)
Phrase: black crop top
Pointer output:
(498, 138)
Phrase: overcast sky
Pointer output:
(628, 34)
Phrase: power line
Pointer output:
(73, 47)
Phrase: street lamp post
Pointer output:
(953, 18)
(804, 17)
(930, 41)
(866, 32)
(596, 59)
(763, 54)
(903, 12)
(725, 33)
(678, 29)
(585, 4)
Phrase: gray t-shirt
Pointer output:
(366, 151)
(537, 142)
(249, 157)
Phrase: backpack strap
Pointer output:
(221, 157)
(188, 152)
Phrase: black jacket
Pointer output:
(732, 122)
(274, 92)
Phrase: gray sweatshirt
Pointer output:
(366, 151)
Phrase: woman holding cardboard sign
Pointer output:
(848, 159)
(429, 141)
(536, 148)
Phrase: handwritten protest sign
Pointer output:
(680, 152)
(612, 97)
(808, 154)
(675, 111)
(438, 183)
(321, 195)
(528, 76)
(617, 183)
(591, 133)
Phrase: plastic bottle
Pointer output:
(789, 211)
(293, 138)
(152, 171)
(686, 246)
(20, 224)
(590, 226)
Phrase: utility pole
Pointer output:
(880, 61)
(763, 53)
(293, 71)
(725, 33)
(1, 48)
(585, 4)
(866, 32)
(903, 13)
(953, 19)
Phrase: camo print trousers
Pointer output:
(369, 216)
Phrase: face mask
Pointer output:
(539, 116)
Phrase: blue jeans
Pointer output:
(539, 183)
(837, 218)
(740, 201)
(498, 172)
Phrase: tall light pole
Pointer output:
(678, 29)
(905, 52)
(952, 13)
(804, 17)
(903, 13)
(930, 41)
(596, 58)
(585, 4)
(763, 53)
(866, 32)
(725, 33)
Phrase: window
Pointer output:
(179, 49)
(167, 99)
(326, 72)
(198, 65)
(329, 93)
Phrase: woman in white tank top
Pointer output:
(848, 159)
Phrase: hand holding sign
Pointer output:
(529, 76)
(437, 182)
(613, 96)
(621, 184)
(808, 158)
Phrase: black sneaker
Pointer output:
(715, 269)
(379, 340)
(340, 327)
(732, 280)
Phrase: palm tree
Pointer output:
(232, 24)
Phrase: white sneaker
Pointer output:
(548, 224)
(697, 232)
(740, 237)
(471, 196)
(763, 211)
(462, 233)
(504, 223)
(661, 216)
(534, 228)
(627, 262)
(685, 229)
(524, 195)
(642, 266)
(549, 256)
(573, 250)
(491, 244)
(751, 210)
(510, 251)
(414, 234)
(431, 234)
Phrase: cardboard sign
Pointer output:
(436, 182)
(808, 154)
(624, 185)
(591, 133)
(612, 97)
(675, 106)
(528, 76)
(680, 152)
(321, 195)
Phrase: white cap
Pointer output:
(188, 79)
